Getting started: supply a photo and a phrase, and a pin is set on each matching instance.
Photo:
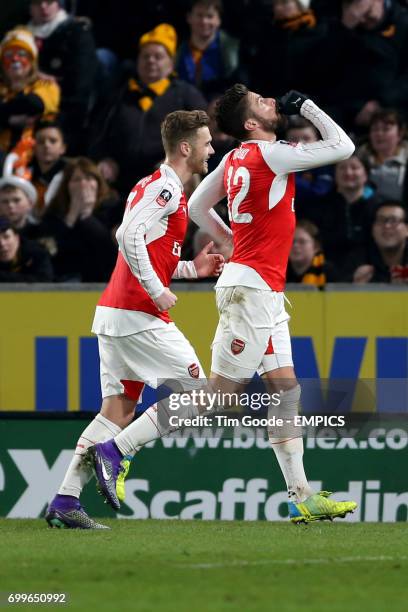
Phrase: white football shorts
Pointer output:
(151, 356)
(252, 333)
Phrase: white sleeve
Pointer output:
(185, 269)
(131, 236)
(335, 145)
(208, 193)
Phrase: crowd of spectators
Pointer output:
(85, 85)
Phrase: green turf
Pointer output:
(197, 566)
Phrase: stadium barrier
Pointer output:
(49, 379)
(204, 475)
(49, 358)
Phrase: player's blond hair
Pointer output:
(182, 125)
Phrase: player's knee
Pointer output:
(118, 409)
(281, 378)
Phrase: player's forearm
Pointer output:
(133, 248)
(201, 206)
(212, 224)
(335, 144)
(186, 270)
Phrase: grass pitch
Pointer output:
(180, 566)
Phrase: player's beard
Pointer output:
(272, 125)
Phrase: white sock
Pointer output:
(152, 424)
(289, 454)
(287, 443)
(76, 477)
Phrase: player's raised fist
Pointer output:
(291, 102)
(166, 300)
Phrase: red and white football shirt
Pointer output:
(258, 180)
(150, 239)
(261, 212)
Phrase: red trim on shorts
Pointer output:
(269, 349)
(133, 388)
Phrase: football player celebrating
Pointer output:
(253, 335)
(138, 342)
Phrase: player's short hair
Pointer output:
(231, 111)
(182, 125)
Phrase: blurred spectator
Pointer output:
(221, 142)
(313, 183)
(385, 259)
(48, 162)
(76, 226)
(344, 215)
(17, 200)
(67, 51)
(12, 13)
(128, 130)
(301, 130)
(277, 58)
(109, 170)
(117, 26)
(386, 154)
(22, 260)
(200, 240)
(210, 58)
(326, 10)
(24, 94)
(372, 38)
(307, 263)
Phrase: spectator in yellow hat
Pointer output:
(128, 129)
(67, 52)
(24, 94)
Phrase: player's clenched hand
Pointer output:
(208, 264)
(166, 300)
(291, 102)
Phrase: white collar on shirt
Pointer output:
(169, 170)
(259, 142)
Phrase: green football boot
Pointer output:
(120, 483)
(318, 507)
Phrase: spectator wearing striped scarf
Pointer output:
(307, 264)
